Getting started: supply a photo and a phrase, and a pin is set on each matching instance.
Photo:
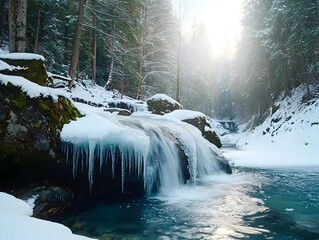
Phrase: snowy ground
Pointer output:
(16, 223)
(289, 137)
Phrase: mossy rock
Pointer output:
(29, 131)
(31, 69)
(162, 104)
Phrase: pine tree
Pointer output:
(77, 41)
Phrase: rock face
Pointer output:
(29, 131)
(48, 201)
(29, 66)
(162, 104)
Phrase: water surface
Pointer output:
(250, 204)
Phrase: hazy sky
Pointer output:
(221, 18)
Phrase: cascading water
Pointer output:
(163, 153)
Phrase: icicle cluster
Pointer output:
(147, 147)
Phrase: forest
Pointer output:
(138, 48)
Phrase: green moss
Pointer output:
(34, 70)
(45, 105)
(37, 125)
(19, 100)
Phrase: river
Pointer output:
(252, 203)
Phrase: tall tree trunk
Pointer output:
(13, 6)
(141, 74)
(178, 68)
(77, 42)
(270, 87)
(1, 20)
(110, 76)
(37, 35)
(94, 43)
(123, 76)
(284, 69)
(285, 77)
(141, 56)
(21, 26)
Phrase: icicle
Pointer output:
(113, 156)
(75, 160)
(102, 156)
(91, 156)
(155, 161)
(122, 169)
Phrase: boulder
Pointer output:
(162, 104)
(207, 131)
(27, 65)
(198, 120)
(29, 133)
(47, 201)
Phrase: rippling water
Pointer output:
(251, 204)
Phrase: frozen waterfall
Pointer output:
(159, 152)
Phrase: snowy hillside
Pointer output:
(289, 137)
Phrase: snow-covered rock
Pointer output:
(27, 65)
(200, 121)
(161, 104)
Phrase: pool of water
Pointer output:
(250, 204)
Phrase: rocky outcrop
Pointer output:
(29, 132)
(162, 104)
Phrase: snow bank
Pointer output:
(289, 137)
(16, 223)
(98, 126)
(163, 97)
(22, 56)
(30, 88)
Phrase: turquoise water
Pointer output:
(250, 204)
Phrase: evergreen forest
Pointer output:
(137, 48)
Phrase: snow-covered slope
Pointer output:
(289, 137)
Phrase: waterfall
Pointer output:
(162, 153)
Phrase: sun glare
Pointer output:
(222, 20)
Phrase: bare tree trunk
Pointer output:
(1, 20)
(123, 76)
(270, 87)
(178, 68)
(94, 43)
(21, 26)
(13, 6)
(77, 41)
(37, 35)
(110, 76)
(285, 77)
(141, 75)
(141, 58)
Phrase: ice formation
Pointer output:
(162, 152)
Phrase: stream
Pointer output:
(252, 203)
